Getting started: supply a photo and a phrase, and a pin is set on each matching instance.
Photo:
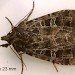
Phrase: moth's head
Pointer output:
(6, 37)
(9, 38)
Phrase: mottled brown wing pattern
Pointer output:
(52, 37)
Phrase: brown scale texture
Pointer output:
(51, 37)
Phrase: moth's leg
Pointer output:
(54, 65)
(6, 45)
(10, 23)
(19, 55)
(22, 62)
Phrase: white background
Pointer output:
(15, 10)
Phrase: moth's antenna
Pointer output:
(27, 16)
(10, 23)
(24, 19)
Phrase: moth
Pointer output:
(50, 37)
